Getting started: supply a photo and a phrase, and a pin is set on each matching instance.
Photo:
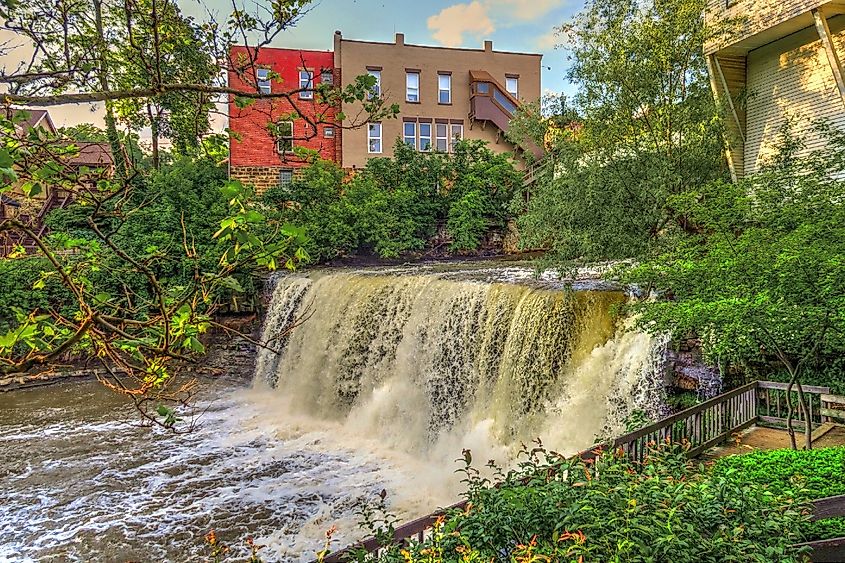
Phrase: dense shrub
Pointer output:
(395, 206)
(17, 278)
(167, 223)
(805, 475)
(551, 509)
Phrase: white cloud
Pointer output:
(525, 9)
(479, 17)
(449, 26)
(548, 41)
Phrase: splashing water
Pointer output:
(379, 388)
(427, 364)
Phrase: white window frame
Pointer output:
(412, 91)
(325, 74)
(412, 137)
(328, 132)
(515, 81)
(306, 86)
(428, 125)
(284, 138)
(262, 80)
(370, 138)
(441, 89)
(376, 90)
(453, 140)
(439, 137)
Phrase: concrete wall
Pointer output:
(394, 59)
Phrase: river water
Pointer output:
(390, 376)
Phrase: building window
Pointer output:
(374, 138)
(409, 134)
(284, 141)
(444, 88)
(442, 130)
(457, 135)
(376, 89)
(328, 132)
(512, 86)
(412, 86)
(425, 137)
(263, 77)
(306, 84)
(326, 76)
(285, 177)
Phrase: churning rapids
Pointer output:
(388, 376)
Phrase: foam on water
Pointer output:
(383, 385)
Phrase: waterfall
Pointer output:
(431, 364)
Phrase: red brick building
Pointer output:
(261, 155)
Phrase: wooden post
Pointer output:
(711, 70)
(832, 57)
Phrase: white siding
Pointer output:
(750, 17)
(791, 79)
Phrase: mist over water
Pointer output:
(386, 380)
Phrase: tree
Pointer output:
(642, 127)
(759, 271)
(140, 276)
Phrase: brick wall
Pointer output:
(262, 178)
(252, 147)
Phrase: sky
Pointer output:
(512, 25)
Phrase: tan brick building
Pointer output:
(778, 61)
(443, 94)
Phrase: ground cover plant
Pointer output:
(803, 475)
(609, 509)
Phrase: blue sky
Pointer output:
(513, 25)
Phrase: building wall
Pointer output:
(742, 19)
(394, 59)
(791, 80)
(252, 147)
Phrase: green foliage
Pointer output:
(394, 205)
(759, 274)
(804, 475)
(552, 509)
(646, 128)
(467, 224)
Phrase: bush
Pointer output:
(393, 206)
(805, 475)
(551, 509)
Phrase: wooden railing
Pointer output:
(703, 426)
(830, 550)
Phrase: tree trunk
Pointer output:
(111, 124)
(808, 424)
(154, 132)
(793, 376)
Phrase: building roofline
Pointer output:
(267, 48)
(476, 50)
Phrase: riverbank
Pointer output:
(228, 356)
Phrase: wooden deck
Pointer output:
(766, 438)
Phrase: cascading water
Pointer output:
(429, 364)
(386, 378)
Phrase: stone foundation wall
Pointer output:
(261, 177)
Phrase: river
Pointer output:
(392, 374)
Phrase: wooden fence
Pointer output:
(703, 426)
